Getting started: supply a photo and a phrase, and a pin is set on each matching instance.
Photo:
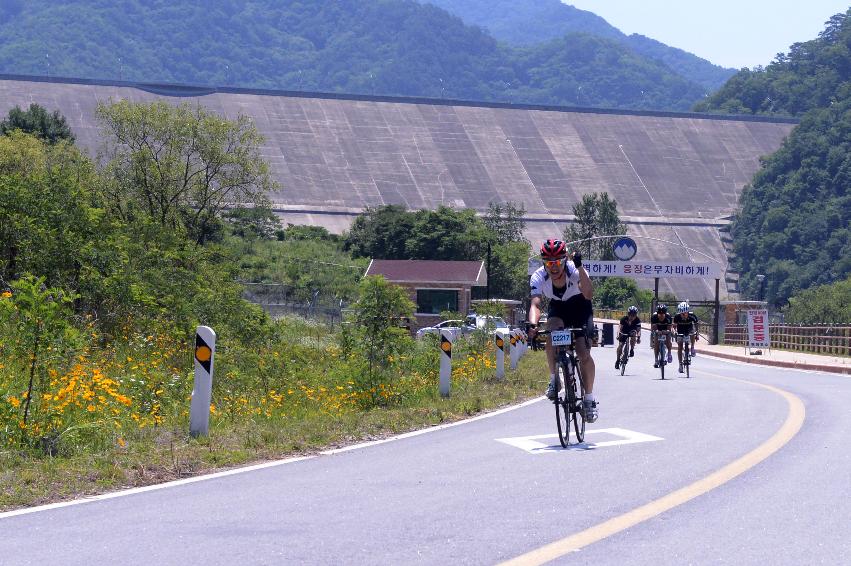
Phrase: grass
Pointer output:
(125, 411)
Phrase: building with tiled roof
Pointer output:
(434, 286)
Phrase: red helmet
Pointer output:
(553, 249)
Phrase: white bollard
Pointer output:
(515, 349)
(202, 389)
(447, 337)
(499, 336)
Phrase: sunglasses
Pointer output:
(554, 262)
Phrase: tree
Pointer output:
(446, 234)
(825, 304)
(380, 233)
(377, 313)
(38, 121)
(180, 166)
(48, 219)
(596, 215)
(621, 293)
(254, 223)
(506, 222)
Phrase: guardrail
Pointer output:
(824, 339)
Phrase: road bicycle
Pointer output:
(627, 346)
(568, 401)
(685, 340)
(662, 357)
(687, 357)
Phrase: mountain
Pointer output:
(795, 221)
(382, 47)
(814, 74)
(530, 22)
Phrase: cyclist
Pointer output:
(696, 335)
(569, 289)
(686, 325)
(629, 323)
(661, 321)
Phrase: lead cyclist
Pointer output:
(569, 289)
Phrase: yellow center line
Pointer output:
(791, 426)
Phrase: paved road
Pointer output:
(459, 495)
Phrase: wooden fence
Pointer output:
(833, 340)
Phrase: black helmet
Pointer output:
(662, 308)
(633, 309)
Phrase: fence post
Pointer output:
(202, 389)
(499, 338)
(447, 337)
(515, 349)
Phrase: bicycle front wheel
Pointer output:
(562, 410)
(662, 358)
(687, 362)
(624, 359)
(577, 393)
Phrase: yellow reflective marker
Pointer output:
(446, 346)
(499, 343)
(203, 353)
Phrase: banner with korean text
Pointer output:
(642, 269)
(758, 329)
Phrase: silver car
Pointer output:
(460, 326)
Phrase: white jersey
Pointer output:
(542, 284)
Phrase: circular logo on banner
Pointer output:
(625, 249)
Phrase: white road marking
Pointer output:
(532, 444)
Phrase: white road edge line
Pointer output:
(254, 467)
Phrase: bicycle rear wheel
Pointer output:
(577, 393)
(687, 361)
(562, 410)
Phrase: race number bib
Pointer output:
(560, 337)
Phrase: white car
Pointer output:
(459, 325)
(482, 321)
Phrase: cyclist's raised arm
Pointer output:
(585, 284)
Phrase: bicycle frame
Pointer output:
(627, 344)
(684, 342)
(569, 376)
(661, 337)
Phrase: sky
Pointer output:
(730, 33)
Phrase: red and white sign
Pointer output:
(758, 329)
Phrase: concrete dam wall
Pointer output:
(675, 177)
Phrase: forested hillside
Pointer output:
(795, 222)
(390, 47)
(813, 74)
(530, 22)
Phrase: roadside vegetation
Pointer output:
(106, 269)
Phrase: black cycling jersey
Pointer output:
(663, 323)
(686, 323)
(627, 326)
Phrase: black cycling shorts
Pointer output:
(575, 313)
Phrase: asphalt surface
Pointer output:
(461, 495)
